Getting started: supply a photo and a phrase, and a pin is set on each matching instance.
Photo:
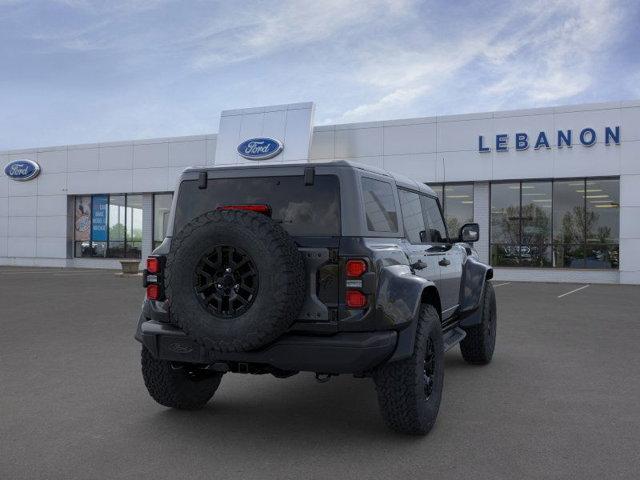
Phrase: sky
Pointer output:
(80, 71)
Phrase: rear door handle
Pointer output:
(444, 262)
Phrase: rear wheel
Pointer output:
(409, 391)
(178, 385)
(478, 346)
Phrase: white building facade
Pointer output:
(556, 191)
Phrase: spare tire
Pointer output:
(234, 280)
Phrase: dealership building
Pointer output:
(556, 190)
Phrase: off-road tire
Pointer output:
(281, 280)
(478, 346)
(176, 386)
(403, 402)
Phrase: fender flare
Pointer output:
(400, 295)
(474, 278)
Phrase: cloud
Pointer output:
(407, 76)
(555, 63)
(124, 69)
(291, 23)
(398, 98)
(541, 53)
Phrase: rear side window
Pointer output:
(379, 205)
(412, 215)
(302, 210)
(436, 231)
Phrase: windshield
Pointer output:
(302, 210)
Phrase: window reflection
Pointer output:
(569, 223)
(536, 200)
(436, 230)
(457, 204)
(117, 218)
(603, 211)
(603, 223)
(134, 226)
(412, 216)
(565, 224)
(108, 226)
(161, 209)
(505, 213)
(380, 209)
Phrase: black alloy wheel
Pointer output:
(226, 281)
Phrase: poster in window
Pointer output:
(83, 219)
(99, 218)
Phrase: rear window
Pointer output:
(302, 210)
(379, 206)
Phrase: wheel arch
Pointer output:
(426, 294)
(431, 296)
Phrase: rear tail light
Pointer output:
(152, 278)
(356, 299)
(356, 268)
(153, 265)
(264, 209)
(153, 291)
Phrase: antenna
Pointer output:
(444, 171)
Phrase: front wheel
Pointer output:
(478, 346)
(409, 391)
(176, 385)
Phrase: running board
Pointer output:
(453, 337)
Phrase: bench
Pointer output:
(130, 266)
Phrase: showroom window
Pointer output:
(564, 224)
(108, 226)
(457, 204)
(161, 210)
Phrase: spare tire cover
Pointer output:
(234, 280)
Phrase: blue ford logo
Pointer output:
(22, 170)
(180, 348)
(260, 148)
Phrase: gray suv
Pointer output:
(333, 268)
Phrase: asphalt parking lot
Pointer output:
(560, 400)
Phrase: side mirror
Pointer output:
(469, 233)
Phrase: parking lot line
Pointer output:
(573, 291)
(501, 284)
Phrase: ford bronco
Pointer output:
(332, 268)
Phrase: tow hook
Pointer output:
(323, 377)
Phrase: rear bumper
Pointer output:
(345, 352)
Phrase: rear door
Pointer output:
(423, 264)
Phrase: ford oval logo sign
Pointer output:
(180, 348)
(260, 148)
(22, 170)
